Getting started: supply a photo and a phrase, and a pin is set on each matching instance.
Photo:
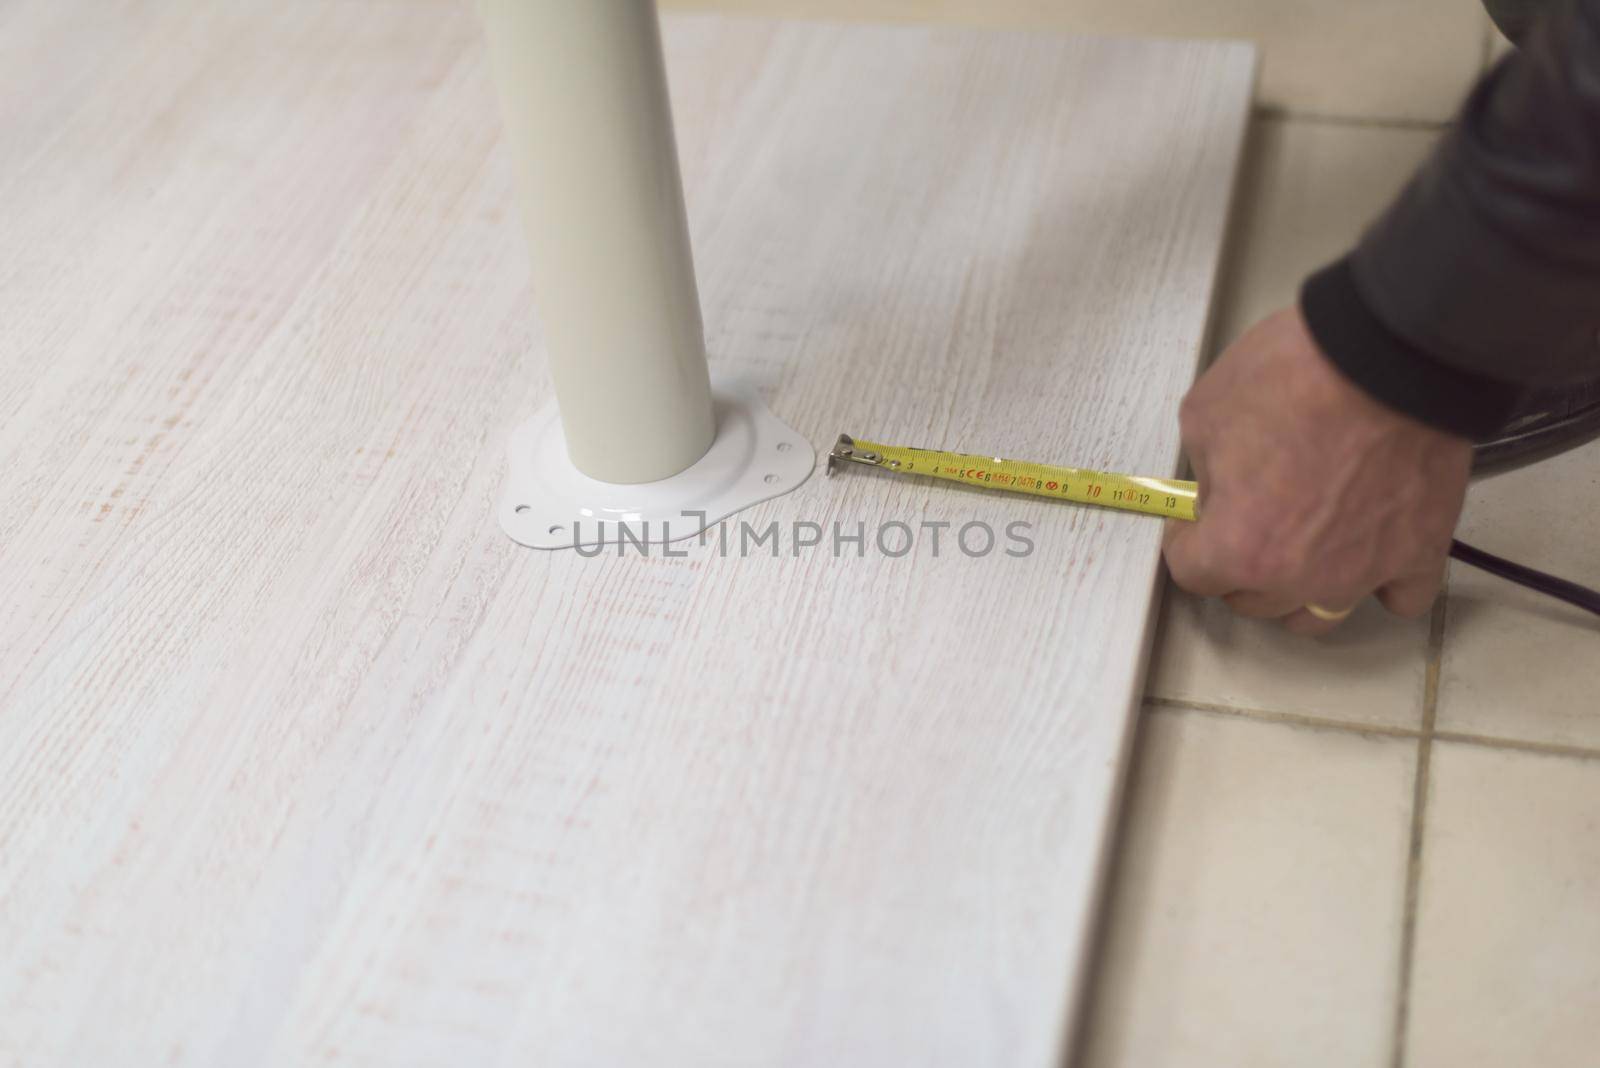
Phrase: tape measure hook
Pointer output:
(845, 451)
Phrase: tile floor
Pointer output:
(1477, 941)
(1382, 848)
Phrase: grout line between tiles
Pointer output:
(1489, 741)
(1419, 814)
(1297, 719)
(1294, 719)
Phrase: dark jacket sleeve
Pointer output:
(1483, 279)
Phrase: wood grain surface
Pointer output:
(302, 761)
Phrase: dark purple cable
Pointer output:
(1559, 588)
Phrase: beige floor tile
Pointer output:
(1370, 671)
(1516, 664)
(1254, 915)
(1353, 58)
(1307, 192)
(1507, 961)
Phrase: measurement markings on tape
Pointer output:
(1168, 497)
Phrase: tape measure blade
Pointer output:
(1165, 497)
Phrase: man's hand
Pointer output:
(1311, 493)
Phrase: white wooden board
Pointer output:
(303, 762)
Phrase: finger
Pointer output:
(1257, 605)
(1198, 473)
(1195, 566)
(1411, 597)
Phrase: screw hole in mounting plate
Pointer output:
(784, 446)
(521, 508)
(770, 479)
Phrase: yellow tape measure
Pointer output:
(1169, 497)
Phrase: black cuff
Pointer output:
(1393, 371)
